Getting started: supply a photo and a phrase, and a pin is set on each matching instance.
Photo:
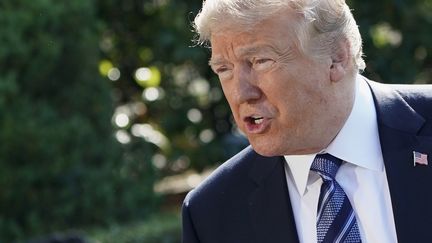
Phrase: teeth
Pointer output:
(258, 120)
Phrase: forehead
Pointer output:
(224, 48)
(277, 32)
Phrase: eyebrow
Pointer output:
(216, 61)
(243, 51)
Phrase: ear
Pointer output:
(340, 61)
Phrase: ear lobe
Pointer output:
(340, 61)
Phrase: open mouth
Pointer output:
(256, 120)
(256, 124)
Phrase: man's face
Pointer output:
(283, 100)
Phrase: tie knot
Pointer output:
(326, 165)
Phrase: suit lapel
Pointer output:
(409, 185)
(269, 204)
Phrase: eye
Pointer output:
(262, 63)
(262, 60)
(219, 70)
(223, 71)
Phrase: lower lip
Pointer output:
(253, 128)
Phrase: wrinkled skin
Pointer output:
(284, 101)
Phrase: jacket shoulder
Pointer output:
(419, 97)
(396, 102)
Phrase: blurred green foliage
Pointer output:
(397, 39)
(60, 165)
(100, 98)
(180, 103)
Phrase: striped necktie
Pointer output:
(336, 221)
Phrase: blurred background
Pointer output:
(109, 114)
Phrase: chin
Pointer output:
(268, 150)
(272, 148)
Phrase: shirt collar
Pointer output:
(363, 151)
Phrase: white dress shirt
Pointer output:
(362, 177)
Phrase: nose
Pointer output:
(246, 86)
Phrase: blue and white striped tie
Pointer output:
(336, 221)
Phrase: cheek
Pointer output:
(292, 102)
(228, 93)
(230, 97)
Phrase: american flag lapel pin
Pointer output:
(420, 158)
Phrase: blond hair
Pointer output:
(323, 23)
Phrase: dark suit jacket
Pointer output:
(246, 199)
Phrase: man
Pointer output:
(334, 157)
